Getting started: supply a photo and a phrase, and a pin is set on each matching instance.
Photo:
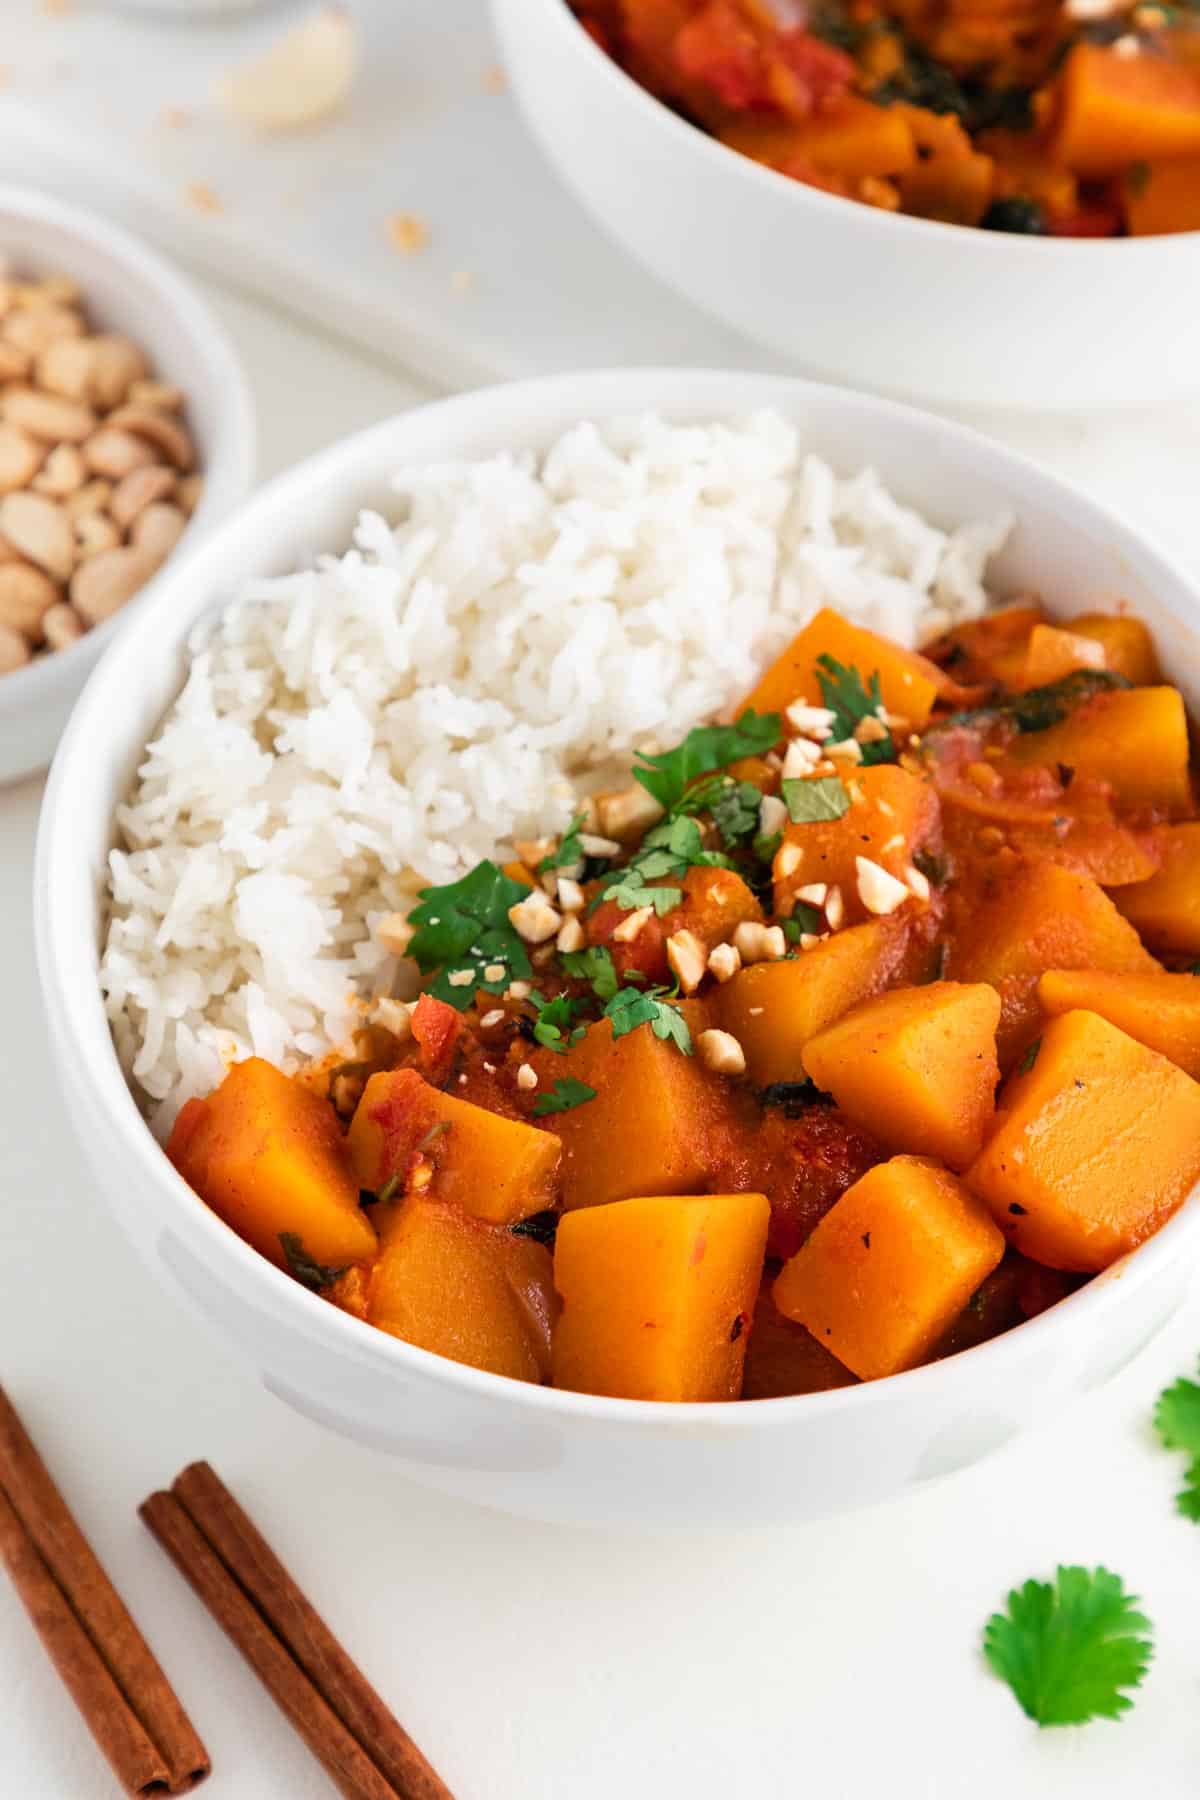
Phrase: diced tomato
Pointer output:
(718, 48)
(647, 952)
(437, 1029)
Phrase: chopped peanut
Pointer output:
(721, 1052)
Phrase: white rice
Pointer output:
(386, 718)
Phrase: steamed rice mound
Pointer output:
(354, 731)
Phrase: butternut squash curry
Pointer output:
(853, 1033)
(1075, 118)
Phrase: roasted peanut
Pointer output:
(94, 532)
(158, 529)
(63, 472)
(116, 453)
(139, 490)
(62, 626)
(34, 328)
(26, 595)
(39, 528)
(94, 496)
(166, 434)
(20, 458)
(116, 364)
(101, 585)
(14, 651)
(47, 416)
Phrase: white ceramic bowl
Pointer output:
(503, 1443)
(126, 288)
(938, 312)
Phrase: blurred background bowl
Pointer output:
(127, 288)
(944, 313)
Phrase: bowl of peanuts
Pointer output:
(126, 429)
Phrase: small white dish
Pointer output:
(531, 1450)
(128, 288)
(940, 313)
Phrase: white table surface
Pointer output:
(836, 1661)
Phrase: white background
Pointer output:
(834, 1662)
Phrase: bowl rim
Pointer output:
(107, 1099)
(1037, 246)
(227, 475)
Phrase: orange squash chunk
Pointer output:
(893, 815)
(890, 1266)
(854, 138)
(657, 1295)
(1161, 1011)
(1136, 739)
(1166, 909)
(775, 1008)
(449, 1283)
(1095, 1147)
(499, 1169)
(1162, 197)
(1127, 644)
(646, 1126)
(909, 683)
(1053, 652)
(1043, 917)
(916, 1067)
(783, 1358)
(1113, 110)
(268, 1156)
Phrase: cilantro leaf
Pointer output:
(1030, 1057)
(681, 838)
(627, 890)
(553, 1025)
(805, 921)
(1069, 1649)
(811, 799)
(569, 851)
(595, 964)
(631, 1007)
(735, 811)
(1177, 1422)
(764, 847)
(564, 1095)
(464, 928)
(304, 1268)
(668, 776)
(850, 703)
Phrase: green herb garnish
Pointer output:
(631, 1007)
(1069, 1649)
(541, 1227)
(935, 869)
(735, 811)
(304, 1268)
(569, 853)
(595, 964)
(811, 799)
(805, 921)
(1177, 1422)
(764, 847)
(563, 1096)
(627, 890)
(842, 691)
(464, 928)
(553, 1024)
(668, 776)
(1030, 1057)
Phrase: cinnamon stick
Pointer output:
(44, 1544)
(343, 1758)
(291, 1615)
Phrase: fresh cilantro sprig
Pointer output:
(631, 1007)
(735, 810)
(1177, 1422)
(464, 928)
(628, 890)
(569, 852)
(595, 964)
(305, 1269)
(554, 1025)
(669, 775)
(1069, 1649)
(812, 799)
(667, 852)
(563, 1096)
(851, 702)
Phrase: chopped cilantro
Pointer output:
(668, 776)
(935, 869)
(631, 1007)
(553, 1025)
(813, 798)
(1070, 1648)
(304, 1268)
(805, 921)
(1177, 1422)
(628, 890)
(850, 703)
(595, 964)
(1030, 1057)
(464, 928)
(735, 811)
(569, 852)
(541, 1227)
(678, 838)
(764, 847)
(563, 1096)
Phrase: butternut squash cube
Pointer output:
(268, 1156)
(444, 1282)
(855, 138)
(1053, 652)
(1043, 917)
(916, 1067)
(1166, 908)
(775, 1008)
(499, 1169)
(909, 683)
(1112, 110)
(1161, 1011)
(1127, 644)
(646, 1126)
(1095, 1146)
(1136, 739)
(890, 1267)
(1162, 197)
(891, 814)
(657, 1295)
